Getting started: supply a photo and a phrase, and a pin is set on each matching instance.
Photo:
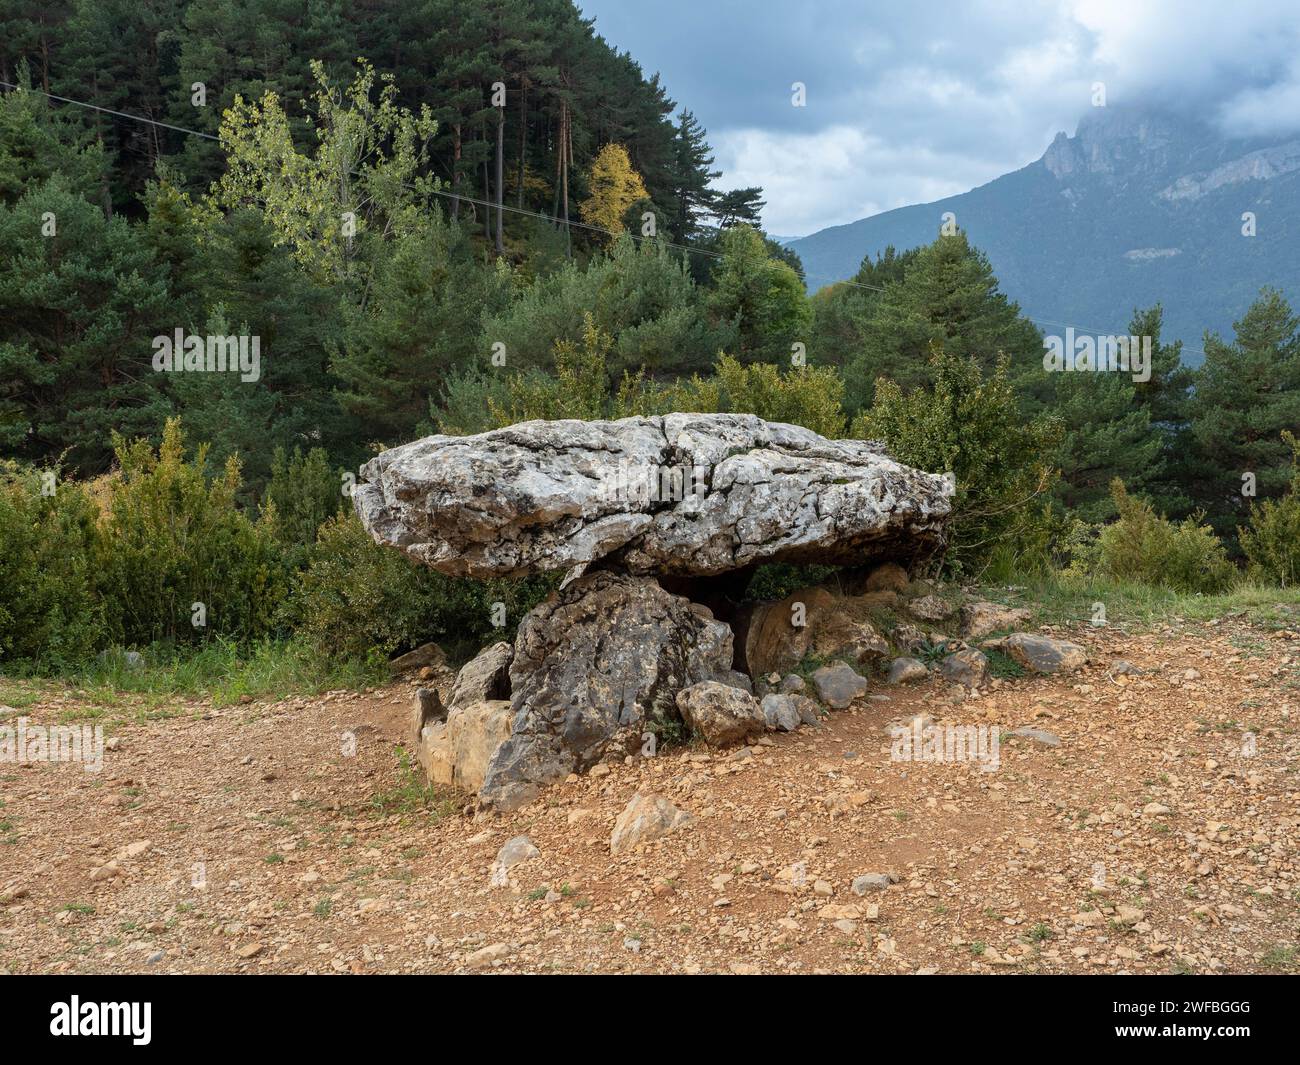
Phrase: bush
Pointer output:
(1146, 548)
(972, 426)
(49, 613)
(172, 538)
(1272, 539)
(357, 596)
(807, 396)
(304, 491)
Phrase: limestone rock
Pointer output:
(871, 882)
(457, 751)
(969, 668)
(645, 818)
(979, 618)
(721, 714)
(1042, 654)
(930, 608)
(428, 654)
(773, 637)
(781, 712)
(485, 676)
(1038, 735)
(736, 679)
(552, 495)
(910, 639)
(839, 684)
(519, 849)
(888, 576)
(838, 634)
(426, 708)
(905, 670)
(592, 667)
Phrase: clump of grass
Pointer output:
(413, 794)
(1002, 665)
(220, 669)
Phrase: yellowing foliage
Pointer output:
(615, 186)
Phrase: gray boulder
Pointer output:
(686, 494)
(484, 677)
(904, 670)
(839, 684)
(592, 667)
(969, 668)
(781, 712)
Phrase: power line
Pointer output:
(537, 215)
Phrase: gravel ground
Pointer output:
(1160, 835)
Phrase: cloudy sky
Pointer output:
(909, 102)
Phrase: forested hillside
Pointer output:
(405, 218)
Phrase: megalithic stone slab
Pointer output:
(677, 495)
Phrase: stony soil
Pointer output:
(261, 838)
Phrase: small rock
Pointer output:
(1038, 735)
(485, 956)
(870, 882)
(645, 818)
(838, 685)
(780, 712)
(904, 670)
(519, 849)
(969, 668)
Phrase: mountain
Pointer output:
(1137, 207)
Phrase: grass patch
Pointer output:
(1002, 665)
(413, 794)
(1060, 600)
(220, 670)
(1281, 959)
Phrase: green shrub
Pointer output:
(808, 396)
(776, 580)
(173, 538)
(971, 425)
(1272, 539)
(357, 596)
(1146, 548)
(578, 387)
(304, 491)
(49, 613)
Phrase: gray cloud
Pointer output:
(910, 102)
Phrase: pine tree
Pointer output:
(948, 296)
(692, 197)
(1247, 393)
(761, 297)
(79, 305)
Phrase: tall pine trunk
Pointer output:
(455, 171)
(501, 151)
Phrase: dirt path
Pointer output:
(1159, 836)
